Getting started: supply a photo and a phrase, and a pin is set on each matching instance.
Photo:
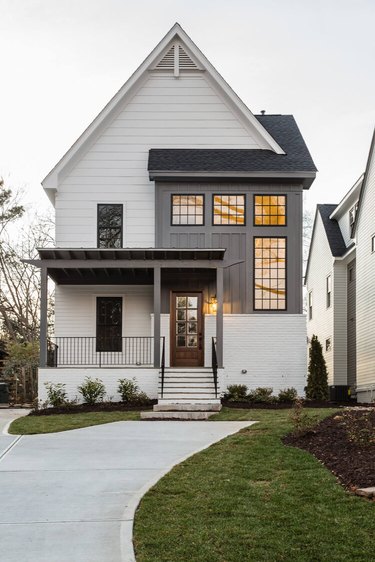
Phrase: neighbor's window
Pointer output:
(329, 290)
(353, 214)
(269, 273)
(373, 243)
(108, 323)
(229, 209)
(188, 209)
(328, 344)
(110, 226)
(269, 210)
(310, 305)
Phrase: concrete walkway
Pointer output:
(71, 496)
(7, 415)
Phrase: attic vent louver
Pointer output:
(176, 59)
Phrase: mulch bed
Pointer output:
(280, 405)
(100, 407)
(353, 464)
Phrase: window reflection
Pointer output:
(229, 209)
(269, 273)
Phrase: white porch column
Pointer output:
(157, 299)
(43, 316)
(219, 315)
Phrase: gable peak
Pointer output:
(176, 58)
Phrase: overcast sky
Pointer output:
(62, 60)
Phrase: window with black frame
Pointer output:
(109, 324)
(110, 225)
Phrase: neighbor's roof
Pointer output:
(333, 232)
(282, 128)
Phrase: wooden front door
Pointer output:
(187, 330)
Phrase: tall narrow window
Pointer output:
(270, 273)
(187, 209)
(373, 243)
(110, 226)
(229, 209)
(108, 323)
(329, 290)
(310, 305)
(269, 210)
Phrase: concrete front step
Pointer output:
(188, 396)
(189, 400)
(185, 416)
(188, 407)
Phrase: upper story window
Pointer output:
(229, 209)
(269, 210)
(270, 273)
(310, 305)
(329, 290)
(353, 214)
(187, 209)
(110, 226)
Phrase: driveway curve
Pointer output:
(71, 496)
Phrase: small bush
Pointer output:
(92, 390)
(288, 395)
(236, 393)
(130, 393)
(262, 394)
(302, 422)
(56, 394)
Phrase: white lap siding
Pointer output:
(165, 112)
(75, 309)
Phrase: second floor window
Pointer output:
(110, 226)
(269, 210)
(229, 209)
(187, 209)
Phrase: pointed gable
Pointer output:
(211, 114)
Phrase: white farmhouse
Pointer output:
(178, 255)
(340, 281)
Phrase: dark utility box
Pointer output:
(339, 393)
(4, 393)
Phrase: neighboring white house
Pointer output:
(178, 239)
(340, 282)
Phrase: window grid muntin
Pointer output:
(233, 199)
(193, 207)
(114, 232)
(276, 277)
(267, 203)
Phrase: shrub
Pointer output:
(302, 422)
(317, 380)
(92, 390)
(56, 393)
(236, 393)
(130, 393)
(262, 394)
(288, 395)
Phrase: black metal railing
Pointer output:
(90, 352)
(214, 364)
(162, 364)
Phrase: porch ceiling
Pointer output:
(125, 266)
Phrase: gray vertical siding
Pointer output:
(352, 355)
(237, 239)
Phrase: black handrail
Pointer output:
(214, 364)
(162, 365)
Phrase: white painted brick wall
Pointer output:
(147, 380)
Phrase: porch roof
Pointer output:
(123, 266)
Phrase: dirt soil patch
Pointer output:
(352, 461)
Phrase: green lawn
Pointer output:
(249, 498)
(29, 425)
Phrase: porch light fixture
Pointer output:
(212, 304)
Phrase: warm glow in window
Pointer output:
(229, 209)
(269, 273)
(187, 209)
(269, 210)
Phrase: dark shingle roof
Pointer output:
(282, 128)
(333, 232)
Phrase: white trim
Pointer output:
(352, 191)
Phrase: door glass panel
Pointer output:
(192, 327)
(181, 314)
(192, 341)
(192, 302)
(181, 341)
(192, 315)
(181, 302)
(181, 327)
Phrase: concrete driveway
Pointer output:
(71, 496)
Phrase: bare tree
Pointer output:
(10, 209)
